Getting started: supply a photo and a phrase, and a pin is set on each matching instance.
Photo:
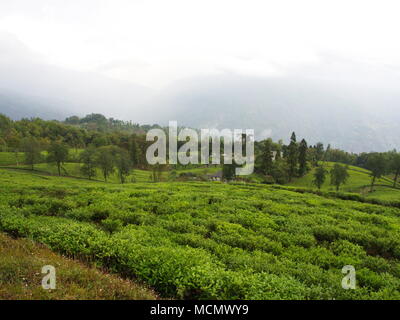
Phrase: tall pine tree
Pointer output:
(303, 158)
(266, 157)
(134, 150)
(292, 156)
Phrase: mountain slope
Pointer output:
(346, 118)
(17, 106)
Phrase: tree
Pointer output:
(88, 159)
(5, 124)
(31, 148)
(377, 164)
(266, 157)
(13, 139)
(339, 175)
(134, 150)
(72, 120)
(3, 145)
(105, 160)
(14, 143)
(319, 176)
(278, 154)
(395, 167)
(123, 164)
(228, 171)
(99, 139)
(292, 156)
(58, 153)
(303, 157)
(319, 149)
(312, 155)
(280, 171)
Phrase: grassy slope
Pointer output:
(73, 169)
(9, 158)
(358, 182)
(21, 261)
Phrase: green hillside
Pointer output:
(11, 158)
(211, 240)
(72, 169)
(358, 182)
(17, 158)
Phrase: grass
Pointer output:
(384, 193)
(21, 261)
(14, 158)
(358, 182)
(10, 158)
(73, 170)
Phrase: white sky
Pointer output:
(155, 42)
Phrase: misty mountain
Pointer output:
(351, 105)
(65, 92)
(28, 83)
(17, 106)
(353, 118)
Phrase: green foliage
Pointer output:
(319, 147)
(339, 175)
(105, 160)
(319, 177)
(58, 153)
(376, 162)
(395, 166)
(123, 164)
(200, 240)
(292, 157)
(229, 171)
(134, 150)
(266, 162)
(280, 171)
(31, 148)
(358, 182)
(11, 158)
(88, 159)
(303, 147)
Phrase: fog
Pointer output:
(329, 72)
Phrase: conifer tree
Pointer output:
(292, 156)
(266, 157)
(303, 157)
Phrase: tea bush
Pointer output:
(201, 240)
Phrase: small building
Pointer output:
(215, 177)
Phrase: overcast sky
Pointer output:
(156, 42)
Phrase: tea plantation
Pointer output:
(204, 240)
